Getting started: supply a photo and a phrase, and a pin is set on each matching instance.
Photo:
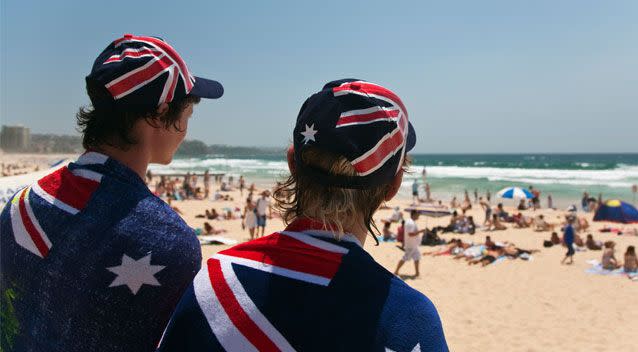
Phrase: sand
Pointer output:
(513, 305)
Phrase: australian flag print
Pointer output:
(91, 261)
(301, 290)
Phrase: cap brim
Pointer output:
(207, 88)
(411, 142)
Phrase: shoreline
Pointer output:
(532, 305)
(525, 305)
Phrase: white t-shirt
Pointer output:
(262, 206)
(411, 241)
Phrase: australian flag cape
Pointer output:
(300, 289)
(91, 261)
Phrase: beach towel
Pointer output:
(91, 261)
(286, 292)
(597, 269)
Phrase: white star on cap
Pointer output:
(309, 134)
(135, 273)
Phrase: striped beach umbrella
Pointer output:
(515, 193)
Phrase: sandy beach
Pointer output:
(513, 305)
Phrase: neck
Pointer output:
(135, 158)
(359, 231)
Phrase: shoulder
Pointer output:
(409, 319)
(153, 217)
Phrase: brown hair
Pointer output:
(300, 195)
(106, 125)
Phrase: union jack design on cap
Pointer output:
(362, 121)
(142, 72)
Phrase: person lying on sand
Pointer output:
(210, 230)
(471, 253)
(455, 246)
(512, 251)
(489, 257)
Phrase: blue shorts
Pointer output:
(261, 220)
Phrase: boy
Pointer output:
(412, 238)
(568, 240)
(312, 286)
(93, 260)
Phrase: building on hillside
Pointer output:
(15, 138)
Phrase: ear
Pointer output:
(290, 155)
(395, 185)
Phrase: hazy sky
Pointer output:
(476, 76)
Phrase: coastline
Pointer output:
(516, 305)
(525, 305)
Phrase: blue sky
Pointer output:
(476, 76)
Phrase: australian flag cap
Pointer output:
(362, 121)
(140, 73)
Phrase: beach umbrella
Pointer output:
(617, 211)
(515, 193)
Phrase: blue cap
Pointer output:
(364, 122)
(140, 73)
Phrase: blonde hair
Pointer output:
(301, 195)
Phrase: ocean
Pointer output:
(564, 176)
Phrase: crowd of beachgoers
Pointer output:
(255, 206)
(18, 168)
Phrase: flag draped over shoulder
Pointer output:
(91, 261)
(300, 289)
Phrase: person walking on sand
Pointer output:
(263, 205)
(242, 185)
(284, 291)
(94, 261)
(206, 184)
(415, 192)
(568, 240)
(412, 240)
(249, 218)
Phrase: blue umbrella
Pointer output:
(515, 192)
(617, 211)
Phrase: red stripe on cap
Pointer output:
(377, 115)
(171, 90)
(140, 77)
(382, 151)
(371, 88)
(235, 312)
(137, 53)
(173, 54)
(288, 253)
(36, 237)
(69, 188)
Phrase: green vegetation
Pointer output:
(8, 321)
(52, 143)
